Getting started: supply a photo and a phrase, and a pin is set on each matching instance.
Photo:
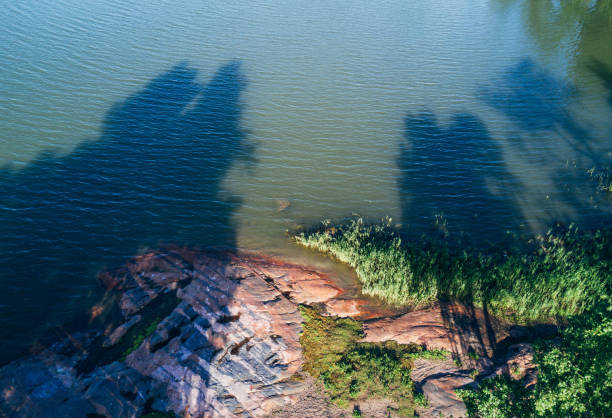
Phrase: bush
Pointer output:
(574, 375)
(498, 397)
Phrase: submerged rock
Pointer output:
(282, 204)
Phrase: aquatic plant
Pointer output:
(603, 177)
(558, 274)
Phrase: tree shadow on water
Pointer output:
(601, 70)
(458, 172)
(551, 136)
(536, 101)
(153, 176)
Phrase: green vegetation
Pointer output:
(574, 375)
(562, 274)
(350, 370)
(140, 337)
(603, 177)
(557, 275)
(498, 397)
(421, 400)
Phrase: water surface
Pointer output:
(129, 126)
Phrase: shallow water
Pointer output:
(129, 126)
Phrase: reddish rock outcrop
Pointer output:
(518, 364)
(438, 381)
(201, 334)
(227, 346)
(470, 336)
(456, 328)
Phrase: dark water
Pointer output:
(127, 127)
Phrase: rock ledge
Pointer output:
(200, 334)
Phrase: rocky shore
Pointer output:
(192, 333)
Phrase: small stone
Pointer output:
(282, 204)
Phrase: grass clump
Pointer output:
(420, 352)
(574, 375)
(325, 339)
(560, 273)
(371, 370)
(603, 178)
(351, 370)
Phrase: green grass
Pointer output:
(555, 275)
(574, 375)
(350, 370)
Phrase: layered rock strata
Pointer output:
(227, 346)
(198, 334)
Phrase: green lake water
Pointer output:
(129, 126)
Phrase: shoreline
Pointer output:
(214, 316)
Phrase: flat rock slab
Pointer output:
(456, 328)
